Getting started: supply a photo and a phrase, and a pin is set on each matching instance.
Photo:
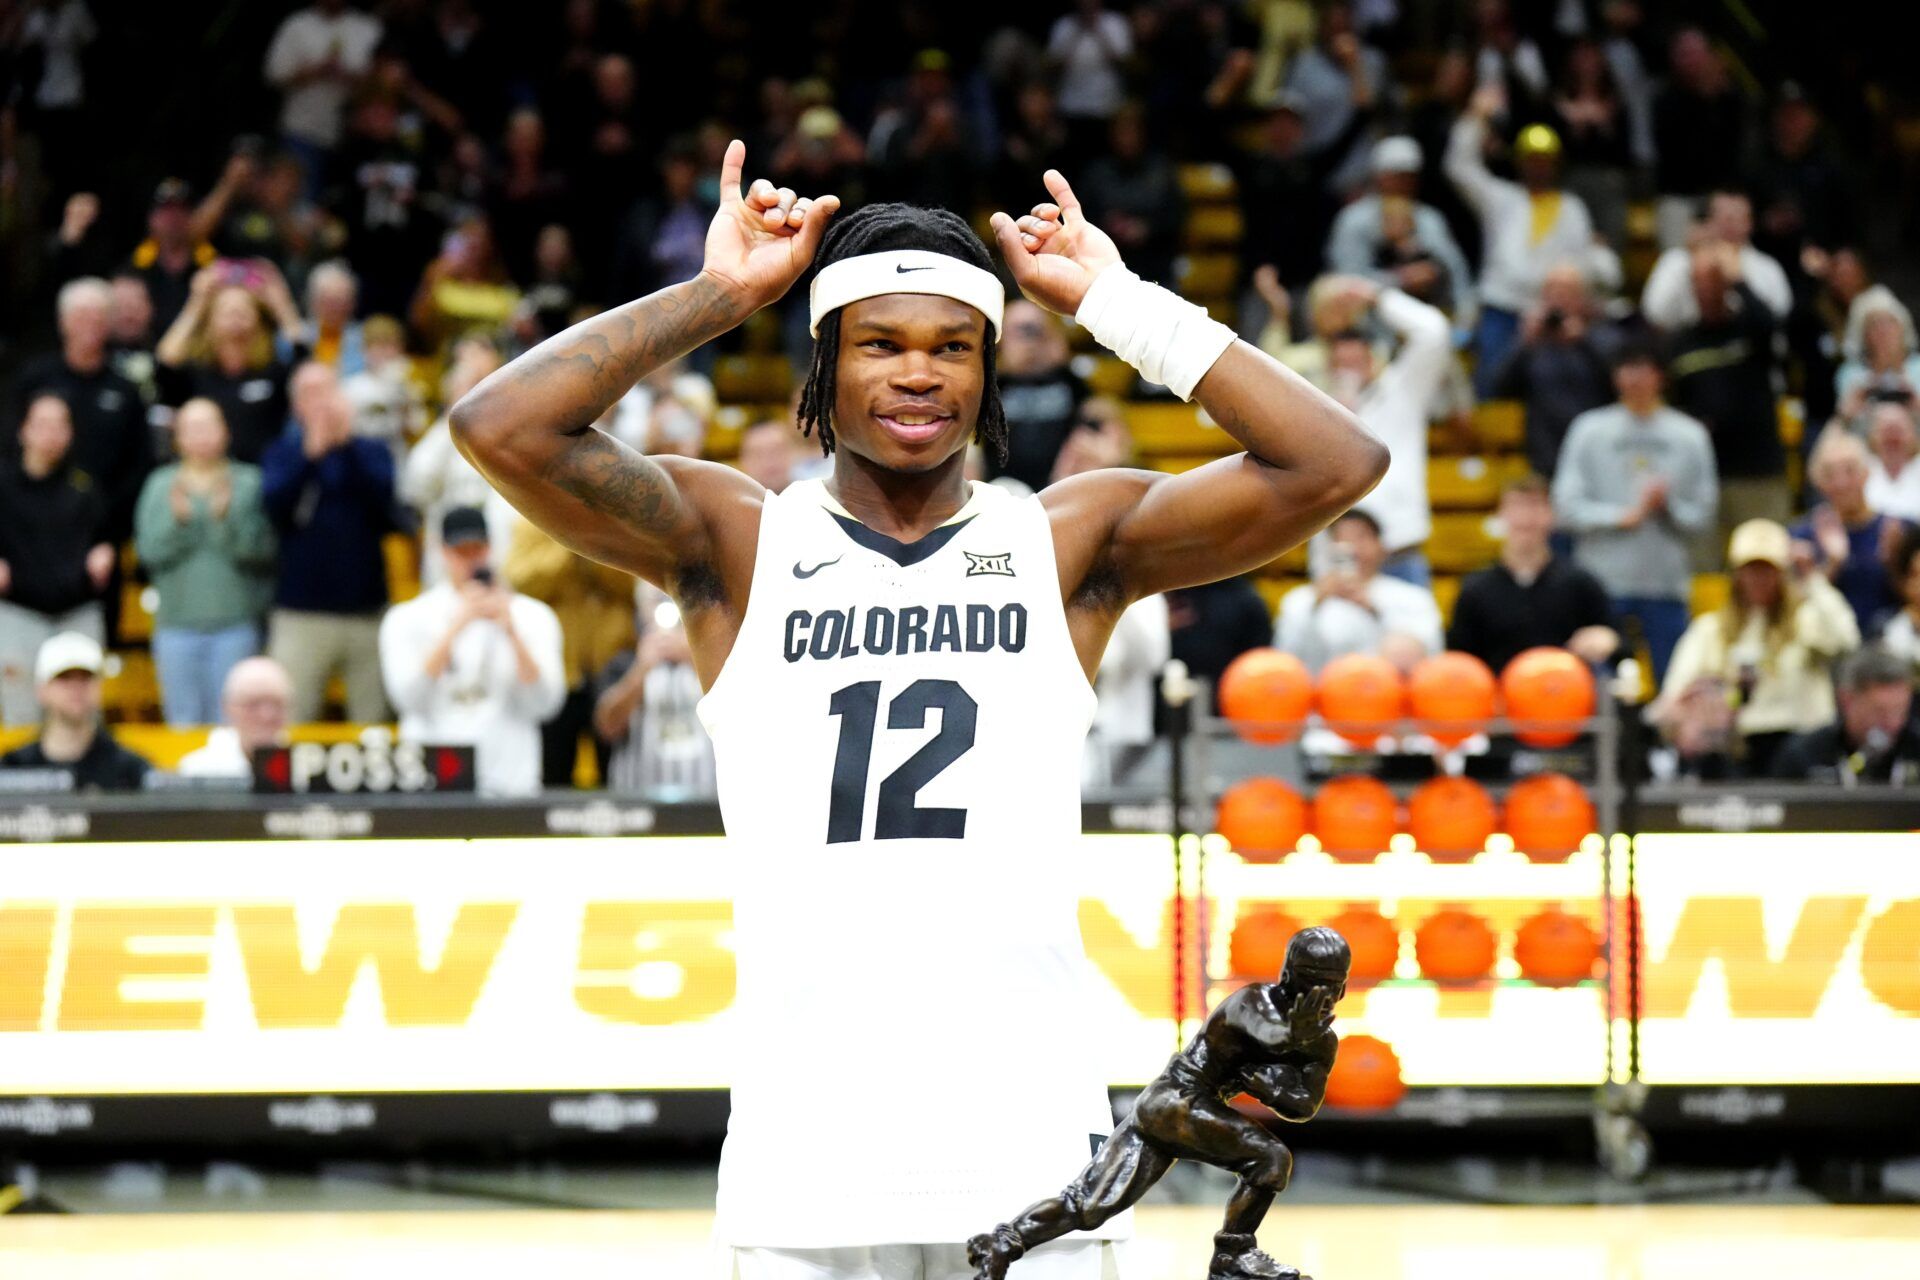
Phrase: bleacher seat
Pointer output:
(1201, 183)
(1206, 275)
(402, 554)
(1710, 591)
(1167, 426)
(1106, 375)
(1214, 227)
(1470, 483)
(1500, 424)
(131, 690)
(741, 378)
(1461, 542)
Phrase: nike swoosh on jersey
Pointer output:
(798, 572)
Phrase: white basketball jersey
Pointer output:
(897, 736)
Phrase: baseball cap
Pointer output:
(1537, 140)
(172, 191)
(463, 524)
(64, 652)
(1398, 154)
(1762, 541)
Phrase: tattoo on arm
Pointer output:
(612, 480)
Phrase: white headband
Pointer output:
(906, 271)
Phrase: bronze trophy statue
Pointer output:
(1271, 1041)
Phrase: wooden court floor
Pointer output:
(1330, 1242)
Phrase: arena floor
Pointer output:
(1350, 1242)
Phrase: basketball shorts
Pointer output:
(1058, 1260)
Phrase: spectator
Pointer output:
(256, 705)
(437, 477)
(386, 404)
(1723, 375)
(1671, 300)
(1635, 484)
(1091, 48)
(1559, 369)
(1033, 141)
(81, 246)
(1591, 117)
(1817, 329)
(1527, 227)
(822, 154)
(1621, 43)
(315, 57)
(330, 496)
(54, 564)
(111, 445)
(594, 604)
(1336, 81)
(59, 32)
(220, 348)
(130, 336)
(1100, 438)
(552, 300)
(1214, 623)
(1700, 125)
(768, 453)
(1802, 195)
(1844, 538)
(1881, 362)
(390, 230)
(470, 662)
(1039, 393)
(1508, 59)
(170, 255)
(1333, 309)
(464, 289)
(1765, 655)
(331, 333)
(920, 152)
(1352, 607)
(529, 193)
(1893, 473)
(663, 241)
(74, 752)
(1359, 245)
(1395, 402)
(1531, 597)
(208, 547)
(258, 207)
(1132, 192)
(1874, 739)
(647, 709)
(1901, 634)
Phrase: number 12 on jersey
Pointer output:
(896, 816)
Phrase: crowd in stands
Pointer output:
(232, 452)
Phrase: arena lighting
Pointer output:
(578, 964)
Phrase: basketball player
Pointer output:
(1274, 1042)
(898, 667)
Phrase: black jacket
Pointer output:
(47, 527)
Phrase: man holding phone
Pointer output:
(1351, 607)
(471, 662)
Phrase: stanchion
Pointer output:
(1176, 690)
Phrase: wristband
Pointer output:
(1170, 341)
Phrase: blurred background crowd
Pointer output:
(1621, 285)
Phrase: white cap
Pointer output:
(1398, 154)
(67, 651)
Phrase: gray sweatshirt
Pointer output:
(1607, 456)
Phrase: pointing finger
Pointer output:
(1062, 193)
(731, 165)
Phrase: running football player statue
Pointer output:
(1271, 1041)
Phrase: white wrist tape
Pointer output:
(1169, 340)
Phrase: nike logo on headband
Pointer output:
(903, 268)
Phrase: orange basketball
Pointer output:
(1354, 817)
(1262, 818)
(1548, 815)
(1374, 941)
(1366, 1074)
(1455, 690)
(1547, 684)
(1259, 945)
(1451, 818)
(1360, 695)
(1555, 949)
(1454, 946)
(1269, 688)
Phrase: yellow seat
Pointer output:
(1204, 182)
(1109, 376)
(1215, 226)
(136, 622)
(1461, 542)
(159, 745)
(1642, 222)
(1207, 275)
(1446, 590)
(1292, 561)
(1500, 424)
(1273, 589)
(1710, 591)
(1792, 414)
(131, 691)
(1175, 463)
(1167, 426)
(740, 378)
(402, 555)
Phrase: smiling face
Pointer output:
(909, 381)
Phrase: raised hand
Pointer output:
(1054, 252)
(759, 243)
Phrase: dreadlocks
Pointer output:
(877, 228)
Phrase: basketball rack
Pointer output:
(1613, 733)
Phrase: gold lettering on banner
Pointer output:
(101, 958)
(1733, 930)
(1890, 956)
(26, 945)
(617, 938)
(1140, 973)
(385, 935)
